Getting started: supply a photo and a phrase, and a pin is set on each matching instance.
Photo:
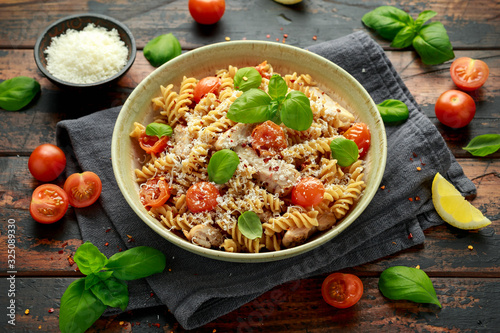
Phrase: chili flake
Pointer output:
(71, 261)
(382, 187)
(268, 35)
(419, 168)
(417, 198)
(51, 310)
(411, 199)
(106, 244)
(285, 35)
(315, 37)
(415, 155)
(410, 236)
(277, 39)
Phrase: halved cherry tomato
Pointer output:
(469, 74)
(151, 144)
(207, 11)
(48, 204)
(455, 109)
(260, 68)
(155, 192)
(83, 189)
(360, 134)
(268, 139)
(342, 290)
(209, 84)
(308, 192)
(202, 197)
(47, 162)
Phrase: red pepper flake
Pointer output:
(382, 187)
(151, 294)
(411, 159)
(277, 39)
(120, 250)
(268, 36)
(415, 155)
(106, 244)
(285, 35)
(419, 168)
(51, 310)
(108, 230)
(417, 198)
(315, 37)
(243, 145)
(60, 251)
(423, 164)
(267, 159)
(410, 236)
(244, 38)
(284, 40)
(411, 199)
(64, 244)
(71, 261)
(276, 168)
(270, 168)
(214, 330)
(281, 28)
(156, 325)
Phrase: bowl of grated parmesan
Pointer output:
(85, 50)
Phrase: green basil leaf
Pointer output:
(274, 112)
(17, 92)
(89, 258)
(296, 111)
(247, 78)
(94, 278)
(344, 151)
(387, 21)
(111, 292)
(159, 130)
(250, 225)
(277, 87)
(161, 49)
(400, 282)
(393, 110)
(222, 166)
(423, 17)
(404, 38)
(79, 309)
(251, 107)
(433, 44)
(484, 145)
(136, 263)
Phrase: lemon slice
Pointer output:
(453, 208)
(288, 2)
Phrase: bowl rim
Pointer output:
(247, 257)
(127, 66)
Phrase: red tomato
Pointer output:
(83, 189)
(155, 192)
(48, 204)
(202, 197)
(151, 144)
(207, 11)
(308, 192)
(260, 68)
(209, 84)
(455, 109)
(342, 290)
(46, 162)
(268, 139)
(360, 134)
(469, 74)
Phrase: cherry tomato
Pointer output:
(155, 192)
(48, 204)
(342, 290)
(455, 109)
(202, 197)
(360, 134)
(308, 192)
(151, 144)
(46, 162)
(268, 139)
(83, 189)
(209, 84)
(469, 74)
(207, 11)
(261, 67)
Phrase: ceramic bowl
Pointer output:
(78, 22)
(203, 62)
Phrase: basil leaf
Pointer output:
(400, 282)
(433, 44)
(251, 107)
(404, 38)
(222, 166)
(387, 21)
(247, 78)
(159, 130)
(136, 263)
(94, 278)
(484, 145)
(344, 151)
(423, 17)
(277, 87)
(17, 92)
(393, 110)
(112, 292)
(89, 258)
(296, 111)
(79, 309)
(250, 225)
(161, 49)
(274, 112)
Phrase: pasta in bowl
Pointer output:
(249, 157)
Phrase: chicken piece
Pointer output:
(326, 221)
(297, 236)
(205, 236)
(183, 141)
(345, 117)
(235, 136)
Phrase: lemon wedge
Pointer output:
(453, 208)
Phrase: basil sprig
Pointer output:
(86, 299)
(257, 106)
(17, 92)
(161, 49)
(247, 78)
(400, 282)
(345, 151)
(483, 145)
(159, 130)
(222, 166)
(250, 225)
(393, 110)
(431, 41)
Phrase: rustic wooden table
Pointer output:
(467, 281)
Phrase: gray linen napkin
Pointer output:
(196, 289)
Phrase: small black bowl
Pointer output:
(78, 22)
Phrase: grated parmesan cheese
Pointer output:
(87, 56)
